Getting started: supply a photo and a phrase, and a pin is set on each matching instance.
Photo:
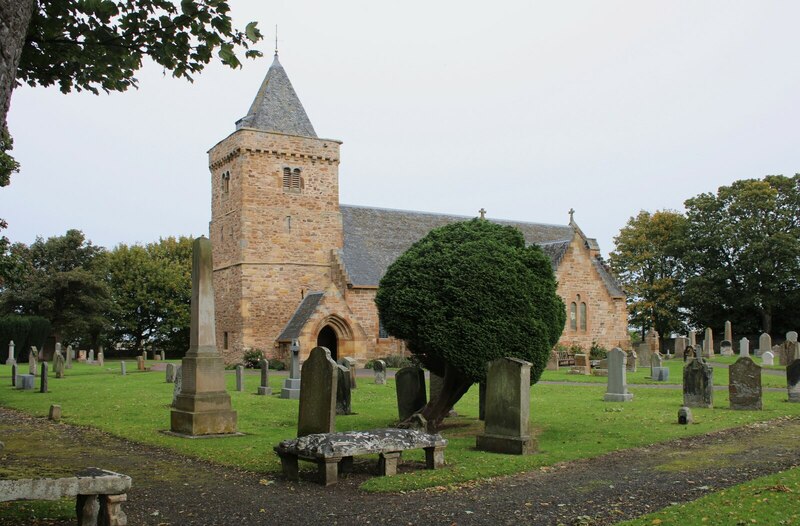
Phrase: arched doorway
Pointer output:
(327, 338)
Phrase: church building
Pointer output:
(292, 263)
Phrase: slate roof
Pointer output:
(300, 316)
(375, 237)
(277, 108)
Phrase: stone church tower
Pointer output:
(275, 220)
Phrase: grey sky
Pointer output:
(524, 108)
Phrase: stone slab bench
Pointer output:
(99, 494)
(330, 451)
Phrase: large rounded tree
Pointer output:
(466, 294)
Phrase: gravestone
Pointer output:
(689, 354)
(681, 342)
(55, 413)
(13, 375)
(26, 381)
(653, 341)
(693, 338)
(101, 358)
(43, 383)
(658, 372)
(728, 331)
(411, 395)
(552, 362)
(81, 356)
(708, 343)
(698, 384)
(744, 347)
(379, 367)
(319, 379)
(685, 416)
(11, 359)
(343, 392)
(178, 385)
(203, 406)
(264, 388)
(70, 356)
(91, 356)
(350, 363)
(140, 363)
(725, 348)
(291, 386)
(170, 373)
(582, 365)
(240, 378)
(791, 336)
(793, 380)
(631, 362)
(32, 360)
(58, 365)
(123, 368)
(764, 344)
(768, 358)
(144, 355)
(617, 389)
(789, 352)
(508, 399)
(163, 355)
(643, 353)
(744, 387)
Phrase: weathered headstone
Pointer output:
(379, 367)
(708, 343)
(91, 356)
(768, 358)
(70, 356)
(264, 388)
(789, 352)
(144, 355)
(681, 342)
(204, 406)
(728, 331)
(508, 399)
(698, 384)
(170, 373)
(55, 413)
(643, 354)
(552, 362)
(291, 386)
(58, 365)
(791, 336)
(81, 356)
(793, 381)
(617, 389)
(351, 364)
(319, 379)
(764, 344)
(26, 381)
(101, 358)
(13, 375)
(343, 392)
(163, 355)
(685, 416)
(653, 340)
(10, 353)
(411, 395)
(240, 378)
(43, 383)
(140, 363)
(744, 347)
(658, 372)
(726, 348)
(178, 385)
(123, 368)
(582, 365)
(631, 362)
(744, 387)
(693, 338)
(32, 360)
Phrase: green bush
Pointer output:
(598, 352)
(252, 357)
(278, 365)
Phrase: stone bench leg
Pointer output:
(290, 469)
(434, 457)
(387, 464)
(87, 509)
(346, 465)
(329, 470)
(111, 513)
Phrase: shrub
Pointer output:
(598, 352)
(278, 365)
(252, 357)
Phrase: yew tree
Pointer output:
(466, 294)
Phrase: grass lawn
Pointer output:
(767, 500)
(569, 421)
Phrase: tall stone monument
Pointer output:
(10, 360)
(617, 390)
(693, 338)
(291, 386)
(204, 406)
(708, 343)
(508, 407)
(728, 331)
(320, 378)
(70, 356)
(32, 360)
(58, 365)
(264, 389)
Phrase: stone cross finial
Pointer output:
(482, 212)
(571, 213)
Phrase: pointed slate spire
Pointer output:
(276, 107)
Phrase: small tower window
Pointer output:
(226, 182)
(573, 316)
(292, 180)
(583, 316)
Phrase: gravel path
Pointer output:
(169, 489)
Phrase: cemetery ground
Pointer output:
(668, 462)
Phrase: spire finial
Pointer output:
(571, 213)
(482, 212)
(276, 40)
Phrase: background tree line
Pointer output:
(138, 295)
(733, 255)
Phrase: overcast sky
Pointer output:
(524, 108)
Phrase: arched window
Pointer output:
(226, 182)
(287, 177)
(583, 316)
(292, 180)
(296, 180)
(573, 316)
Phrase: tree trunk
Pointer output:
(15, 16)
(766, 320)
(454, 386)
